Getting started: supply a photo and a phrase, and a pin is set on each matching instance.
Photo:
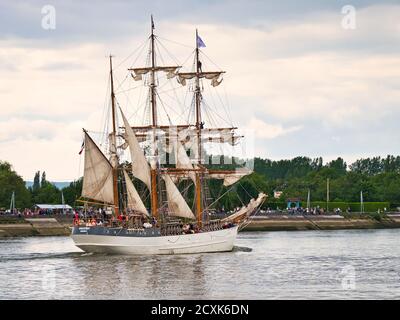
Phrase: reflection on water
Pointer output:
(263, 265)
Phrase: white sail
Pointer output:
(134, 201)
(213, 75)
(176, 203)
(97, 176)
(247, 210)
(138, 72)
(231, 178)
(140, 166)
(221, 135)
(182, 159)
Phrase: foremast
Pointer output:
(154, 167)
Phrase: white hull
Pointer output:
(213, 241)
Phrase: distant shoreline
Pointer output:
(60, 226)
(58, 184)
(320, 222)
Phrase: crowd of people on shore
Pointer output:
(27, 212)
(303, 211)
(100, 215)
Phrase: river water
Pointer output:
(360, 264)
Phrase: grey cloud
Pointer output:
(369, 132)
(78, 20)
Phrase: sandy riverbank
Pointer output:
(34, 227)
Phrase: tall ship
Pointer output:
(151, 187)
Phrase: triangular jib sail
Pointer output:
(140, 166)
(176, 203)
(135, 203)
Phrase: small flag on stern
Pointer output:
(82, 147)
(200, 42)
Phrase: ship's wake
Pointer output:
(241, 249)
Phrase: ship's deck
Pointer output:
(135, 232)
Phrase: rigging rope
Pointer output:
(216, 200)
(178, 43)
(133, 52)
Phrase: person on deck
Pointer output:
(76, 218)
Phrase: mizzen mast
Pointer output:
(113, 145)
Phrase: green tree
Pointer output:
(11, 182)
(73, 192)
(36, 181)
(44, 181)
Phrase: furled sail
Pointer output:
(212, 75)
(231, 178)
(221, 135)
(140, 166)
(187, 136)
(246, 210)
(176, 203)
(135, 203)
(139, 72)
(97, 176)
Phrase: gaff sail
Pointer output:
(97, 177)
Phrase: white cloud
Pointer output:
(264, 130)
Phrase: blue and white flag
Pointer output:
(200, 43)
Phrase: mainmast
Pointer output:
(153, 84)
(154, 126)
(113, 145)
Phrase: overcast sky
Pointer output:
(305, 84)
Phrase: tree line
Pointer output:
(41, 191)
(378, 178)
